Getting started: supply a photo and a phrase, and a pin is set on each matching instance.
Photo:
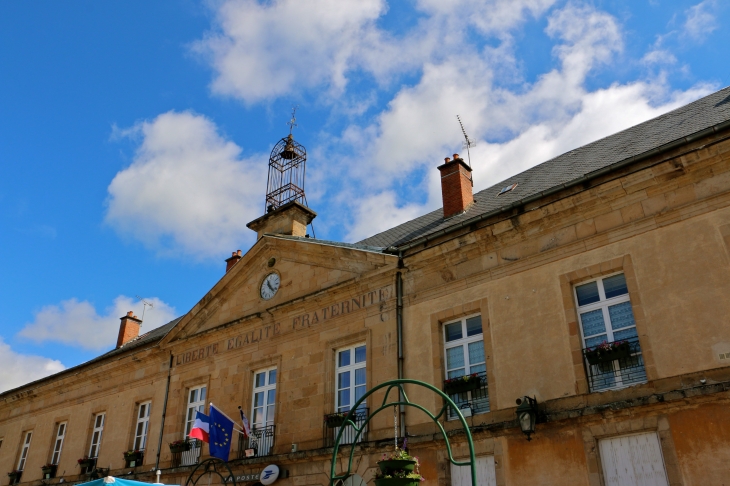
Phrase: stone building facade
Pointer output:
(625, 240)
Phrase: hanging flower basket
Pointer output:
(179, 446)
(397, 482)
(398, 469)
(607, 352)
(335, 420)
(49, 471)
(462, 384)
(397, 464)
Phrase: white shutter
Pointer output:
(461, 475)
(633, 460)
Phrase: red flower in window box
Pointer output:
(606, 352)
(462, 384)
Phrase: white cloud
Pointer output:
(701, 21)
(77, 323)
(555, 114)
(264, 51)
(188, 189)
(18, 369)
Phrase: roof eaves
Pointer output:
(559, 187)
(151, 338)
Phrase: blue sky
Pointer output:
(134, 136)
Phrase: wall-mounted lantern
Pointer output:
(527, 415)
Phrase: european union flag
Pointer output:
(221, 434)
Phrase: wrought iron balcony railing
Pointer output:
(189, 457)
(260, 443)
(471, 395)
(619, 367)
(334, 421)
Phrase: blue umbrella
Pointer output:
(111, 480)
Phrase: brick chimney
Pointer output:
(235, 256)
(128, 328)
(456, 186)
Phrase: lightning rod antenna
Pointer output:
(293, 122)
(468, 143)
(145, 304)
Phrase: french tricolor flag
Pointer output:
(201, 427)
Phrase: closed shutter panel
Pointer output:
(461, 475)
(633, 460)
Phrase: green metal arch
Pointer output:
(399, 385)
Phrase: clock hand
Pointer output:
(269, 284)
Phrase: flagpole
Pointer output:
(229, 418)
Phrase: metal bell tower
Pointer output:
(286, 171)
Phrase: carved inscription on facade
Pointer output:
(298, 323)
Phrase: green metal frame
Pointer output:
(210, 466)
(399, 385)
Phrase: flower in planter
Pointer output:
(397, 474)
(48, 466)
(606, 351)
(133, 453)
(333, 417)
(84, 460)
(463, 379)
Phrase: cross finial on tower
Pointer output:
(293, 122)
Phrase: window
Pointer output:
(24, 450)
(264, 398)
(196, 403)
(96, 435)
(351, 385)
(607, 320)
(633, 459)
(143, 423)
(262, 415)
(464, 351)
(58, 444)
(509, 188)
(351, 382)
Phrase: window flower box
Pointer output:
(49, 471)
(87, 462)
(462, 384)
(15, 476)
(607, 352)
(133, 458)
(179, 446)
(335, 420)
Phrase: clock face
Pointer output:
(270, 285)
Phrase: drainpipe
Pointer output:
(164, 413)
(399, 325)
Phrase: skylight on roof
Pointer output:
(507, 189)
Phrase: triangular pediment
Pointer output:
(304, 267)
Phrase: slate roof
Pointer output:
(148, 338)
(576, 165)
(351, 246)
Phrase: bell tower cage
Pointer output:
(286, 174)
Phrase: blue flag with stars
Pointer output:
(221, 434)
